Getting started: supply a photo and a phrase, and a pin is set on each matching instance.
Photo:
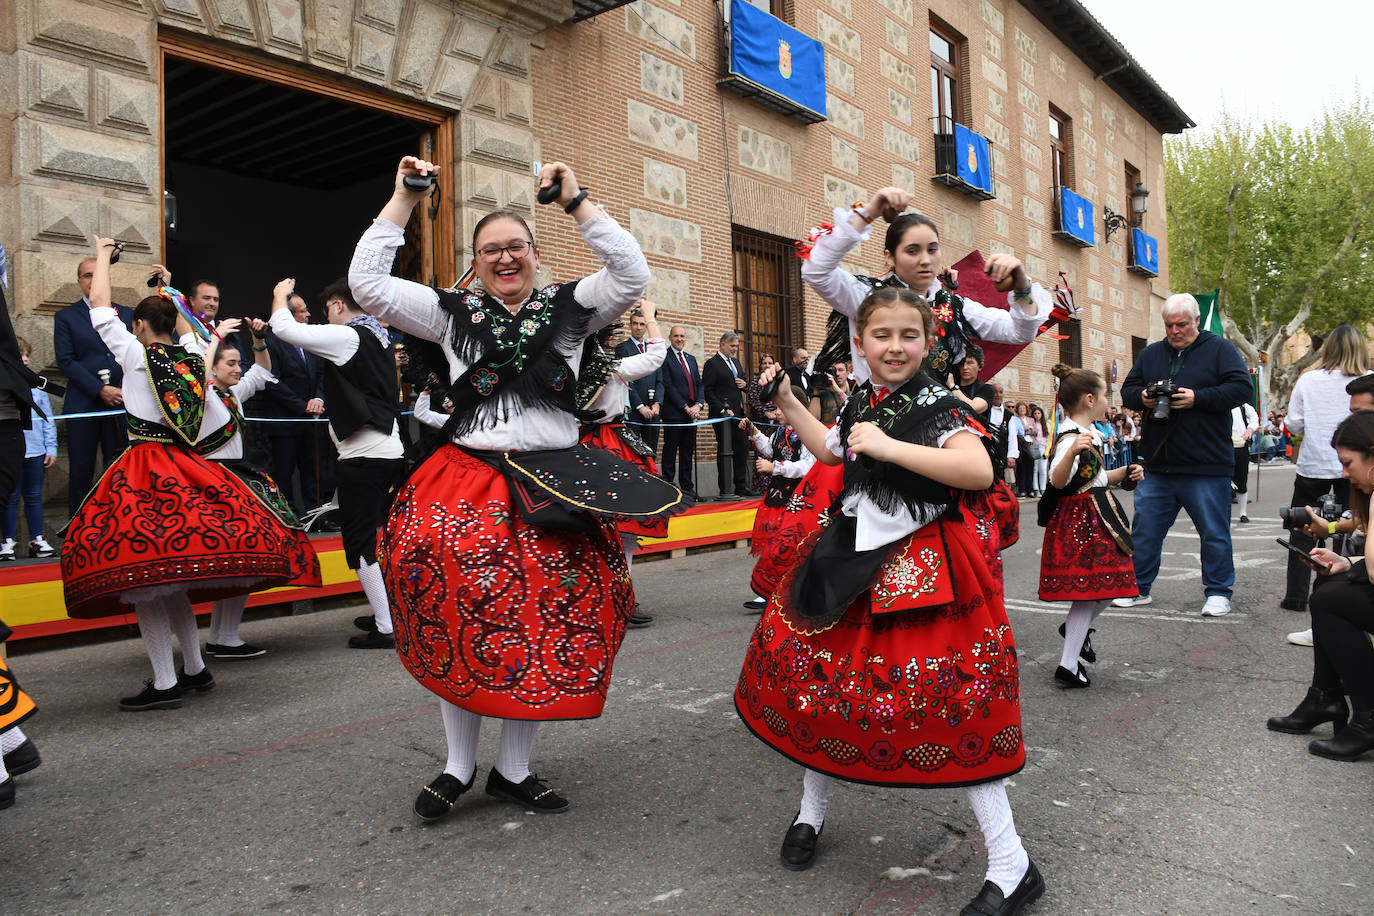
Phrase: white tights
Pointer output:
(628, 543)
(370, 575)
(225, 620)
(462, 729)
(158, 618)
(1081, 616)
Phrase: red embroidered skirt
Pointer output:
(495, 615)
(605, 435)
(778, 534)
(927, 697)
(162, 518)
(1080, 561)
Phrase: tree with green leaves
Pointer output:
(1281, 221)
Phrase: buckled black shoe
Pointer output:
(799, 846)
(531, 793)
(152, 698)
(199, 683)
(1072, 679)
(372, 640)
(1086, 651)
(990, 901)
(7, 793)
(438, 798)
(23, 758)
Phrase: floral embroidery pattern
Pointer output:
(484, 380)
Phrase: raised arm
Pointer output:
(812, 431)
(104, 317)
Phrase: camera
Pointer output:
(1294, 517)
(1162, 391)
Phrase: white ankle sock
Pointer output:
(157, 640)
(628, 543)
(513, 755)
(1242, 501)
(4, 773)
(1081, 616)
(815, 798)
(374, 586)
(225, 619)
(461, 729)
(10, 740)
(183, 622)
(1007, 859)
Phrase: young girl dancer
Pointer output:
(785, 461)
(164, 527)
(885, 655)
(234, 386)
(508, 582)
(1086, 558)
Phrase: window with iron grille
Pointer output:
(768, 295)
(1071, 347)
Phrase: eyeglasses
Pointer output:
(492, 253)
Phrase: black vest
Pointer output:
(363, 391)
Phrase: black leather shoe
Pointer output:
(531, 793)
(799, 846)
(990, 901)
(200, 683)
(23, 758)
(1086, 651)
(231, 652)
(1350, 742)
(372, 640)
(367, 623)
(6, 793)
(438, 798)
(1071, 679)
(1317, 707)
(639, 620)
(152, 698)
(1293, 604)
(756, 605)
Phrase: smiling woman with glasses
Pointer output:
(510, 594)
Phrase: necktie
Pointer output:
(687, 373)
(731, 363)
(640, 344)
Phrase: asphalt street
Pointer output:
(289, 788)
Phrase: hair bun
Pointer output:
(1061, 370)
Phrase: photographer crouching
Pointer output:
(1186, 385)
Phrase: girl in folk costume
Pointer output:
(233, 386)
(1086, 557)
(502, 560)
(164, 527)
(603, 392)
(885, 655)
(786, 462)
(20, 754)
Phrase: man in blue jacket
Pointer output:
(1188, 458)
(683, 403)
(645, 393)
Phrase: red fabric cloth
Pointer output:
(1080, 561)
(495, 615)
(162, 515)
(976, 285)
(606, 435)
(922, 698)
(779, 532)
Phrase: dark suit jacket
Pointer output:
(298, 380)
(675, 396)
(721, 392)
(81, 354)
(15, 377)
(646, 391)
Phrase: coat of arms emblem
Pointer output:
(784, 59)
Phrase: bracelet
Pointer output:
(1021, 293)
(575, 202)
(1330, 527)
(257, 349)
(863, 214)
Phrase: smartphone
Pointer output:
(1306, 557)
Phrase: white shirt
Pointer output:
(996, 414)
(1318, 404)
(337, 343)
(249, 384)
(1243, 419)
(426, 414)
(415, 309)
(764, 446)
(1066, 443)
(614, 397)
(843, 292)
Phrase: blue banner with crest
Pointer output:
(1145, 251)
(766, 51)
(1076, 217)
(972, 158)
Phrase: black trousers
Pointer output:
(645, 429)
(1241, 476)
(1025, 474)
(1342, 615)
(366, 486)
(1308, 491)
(732, 458)
(679, 456)
(11, 459)
(84, 437)
(295, 449)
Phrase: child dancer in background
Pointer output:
(1087, 553)
(785, 461)
(40, 453)
(885, 655)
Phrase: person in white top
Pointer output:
(1244, 424)
(1040, 436)
(1318, 404)
(507, 602)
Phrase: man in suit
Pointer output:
(682, 403)
(83, 357)
(645, 393)
(796, 372)
(723, 379)
(297, 395)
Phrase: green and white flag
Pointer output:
(1211, 314)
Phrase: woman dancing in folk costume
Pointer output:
(603, 390)
(784, 462)
(234, 386)
(20, 754)
(509, 585)
(164, 527)
(885, 655)
(912, 251)
(1086, 558)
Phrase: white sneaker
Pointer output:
(1216, 606)
(1133, 601)
(7, 549)
(1301, 638)
(38, 547)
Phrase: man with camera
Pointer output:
(1186, 385)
